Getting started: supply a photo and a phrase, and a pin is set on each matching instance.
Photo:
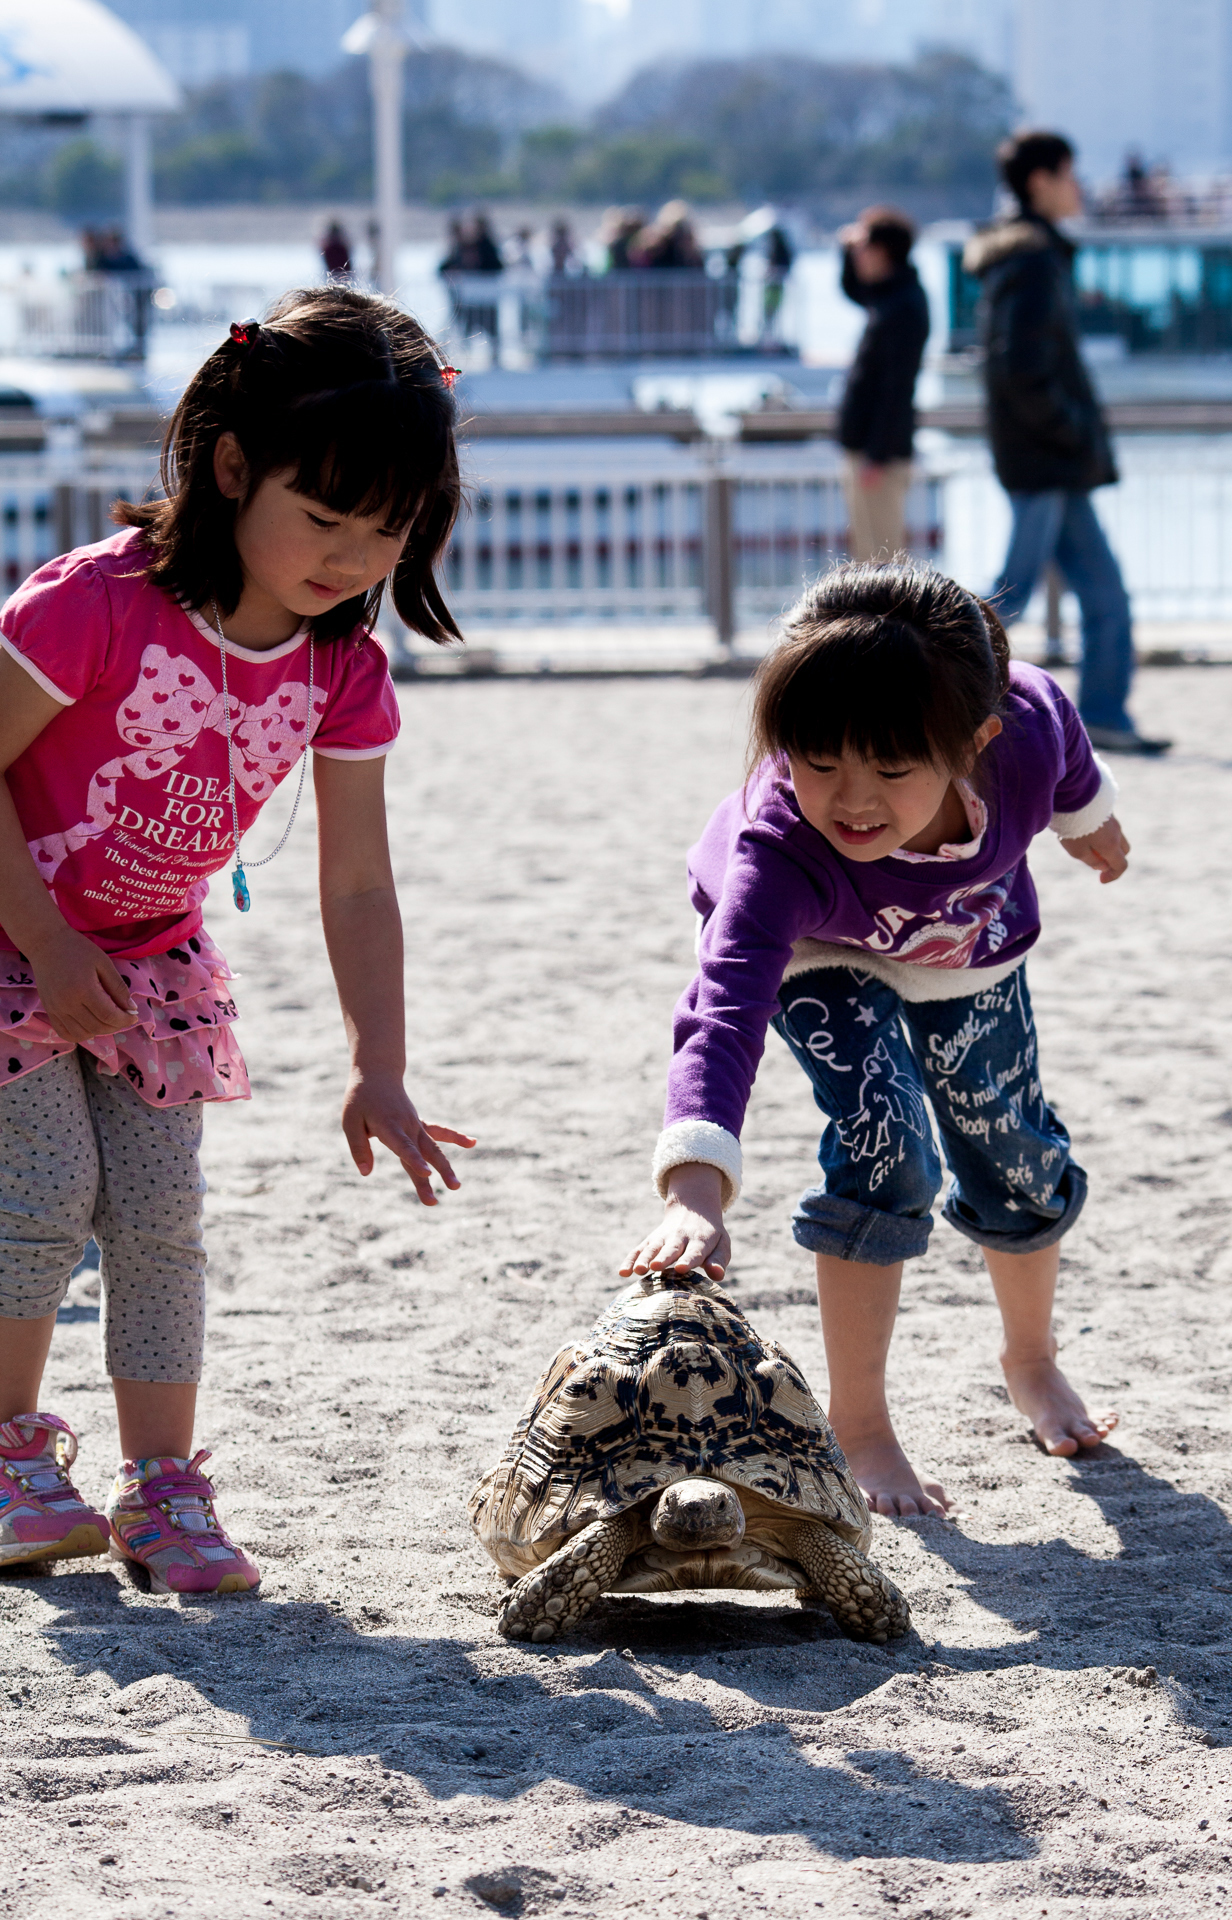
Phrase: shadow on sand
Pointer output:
(475, 1718)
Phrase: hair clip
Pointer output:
(450, 376)
(245, 332)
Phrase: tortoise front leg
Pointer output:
(865, 1605)
(563, 1590)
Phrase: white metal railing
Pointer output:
(45, 509)
(590, 532)
(654, 534)
(94, 316)
(580, 548)
(565, 316)
(1168, 522)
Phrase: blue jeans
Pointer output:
(872, 1059)
(1062, 527)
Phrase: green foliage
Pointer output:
(773, 127)
(83, 182)
(778, 127)
(217, 167)
(546, 159)
(644, 167)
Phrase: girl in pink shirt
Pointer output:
(154, 690)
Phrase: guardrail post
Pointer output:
(719, 557)
(64, 519)
(1054, 640)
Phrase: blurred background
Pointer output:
(619, 217)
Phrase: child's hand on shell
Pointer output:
(691, 1232)
(378, 1107)
(1106, 850)
(80, 987)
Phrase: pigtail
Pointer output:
(999, 641)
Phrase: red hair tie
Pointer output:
(245, 332)
(450, 376)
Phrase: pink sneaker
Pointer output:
(42, 1515)
(162, 1516)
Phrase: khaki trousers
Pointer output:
(876, 513)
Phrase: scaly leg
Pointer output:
(864, 1603)
(563, 1590)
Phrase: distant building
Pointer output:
(1148, 76)
(590, 47)
(204, 40)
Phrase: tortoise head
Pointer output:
(692, 1515)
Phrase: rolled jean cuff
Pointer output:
(846, 1230)
(1072, 1189)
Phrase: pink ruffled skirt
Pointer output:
(180, 1047)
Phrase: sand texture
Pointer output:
(358, 1739)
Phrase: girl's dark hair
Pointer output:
(345, 393)
(895, 663)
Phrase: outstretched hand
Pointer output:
(1106, 850)
(691, 1232)
(378, 1107)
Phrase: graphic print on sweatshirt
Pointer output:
(171, 705)
(946, 937)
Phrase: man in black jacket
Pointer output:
(877, 419)
(1049, 442)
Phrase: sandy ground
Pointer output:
(358, 1739)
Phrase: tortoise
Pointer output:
(676, 1449)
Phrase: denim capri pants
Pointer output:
(876, 1063)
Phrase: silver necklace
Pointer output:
(239, 884)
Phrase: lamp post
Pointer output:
(382, 36)
(139, 198)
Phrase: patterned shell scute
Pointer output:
(673, 1381)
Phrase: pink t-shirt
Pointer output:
(123, 797)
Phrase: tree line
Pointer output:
(772, 127)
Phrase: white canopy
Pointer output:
(75, 56)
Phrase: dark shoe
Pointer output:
(1124, 740)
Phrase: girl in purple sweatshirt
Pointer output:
(866, 893)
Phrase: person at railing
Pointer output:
(669, 242)
(472, 250)
(455, 253)
(519, 251)
(561, 246)
(472, 247)
(481, 252)
(866, 893)
(114, 255)
(618, 232)
(1049, 442)
(876, 423)
(336, 252)
(108, 252)
(780, 258)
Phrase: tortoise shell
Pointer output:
(672, 1382)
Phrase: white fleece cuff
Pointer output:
(686, 1141)
(1071, 826)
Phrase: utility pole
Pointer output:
(381, 34)
(139, 222)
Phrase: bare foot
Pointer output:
(1060, 1422)
(888, 1480)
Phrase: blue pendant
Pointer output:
(239, 887)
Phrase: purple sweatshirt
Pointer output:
(775, 898)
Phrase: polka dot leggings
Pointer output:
(82, 1154)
